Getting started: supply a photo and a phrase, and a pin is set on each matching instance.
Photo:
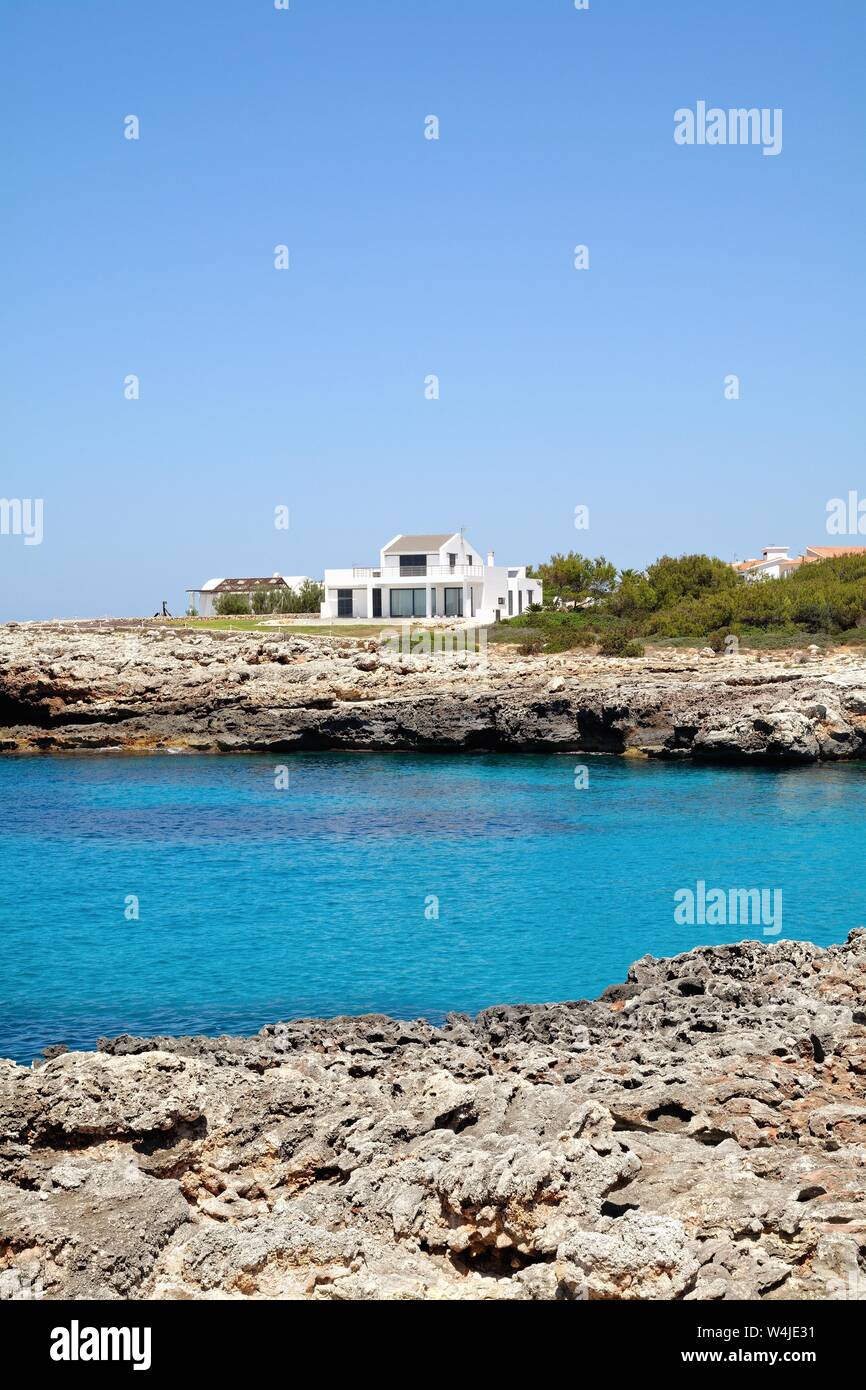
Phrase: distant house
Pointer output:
(831, 552)
(434, 575)
(204, 600)
(777, 563)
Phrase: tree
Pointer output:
(689, 576)
(633, 595)
(574, 577)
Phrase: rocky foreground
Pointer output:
(696, 1133)
(151, 687)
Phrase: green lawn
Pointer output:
(355, 632)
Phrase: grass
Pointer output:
(215, 624)
(355, 632)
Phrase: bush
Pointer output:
(619, 644)
(565, 639)
(232, 605)
(309, 597)
(687, 598)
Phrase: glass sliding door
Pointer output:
(453, 603)
(344, 603)
(408, 603)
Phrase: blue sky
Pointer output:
(410, 257)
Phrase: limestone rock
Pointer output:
(698, 1132)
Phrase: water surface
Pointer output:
(258, 903)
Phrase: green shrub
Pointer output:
(689, 576)
(619, 644)
(309, 597)
(232, 605)
(565, 639)
(262, 601)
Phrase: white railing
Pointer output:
(391, 574)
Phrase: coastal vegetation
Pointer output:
(689, 599)
(305, 599)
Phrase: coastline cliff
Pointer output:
(85, 687)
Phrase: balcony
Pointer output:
(392, 574)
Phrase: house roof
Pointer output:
(246, 586)
(830, 552)
(419, 543)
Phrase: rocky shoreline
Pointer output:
(698, 1133)
(148, 688)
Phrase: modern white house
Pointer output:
(430, 576)
(204, 600)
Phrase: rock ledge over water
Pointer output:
(146, 688)
(698, 1132)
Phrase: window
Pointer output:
(519, 601)
(453, 603)
(510, 603)
(413, 564)
(469, 560)
(344, 603)
(377, 603)
(408, 603)
(452, 559)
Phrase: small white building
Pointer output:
(430, 576)
(204, 600)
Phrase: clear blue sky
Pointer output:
(410, 257)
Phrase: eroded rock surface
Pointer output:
(698, 1132)
(142, 688)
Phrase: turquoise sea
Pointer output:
(257, 902)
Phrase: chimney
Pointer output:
(491, 560)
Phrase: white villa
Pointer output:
(431, 576)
